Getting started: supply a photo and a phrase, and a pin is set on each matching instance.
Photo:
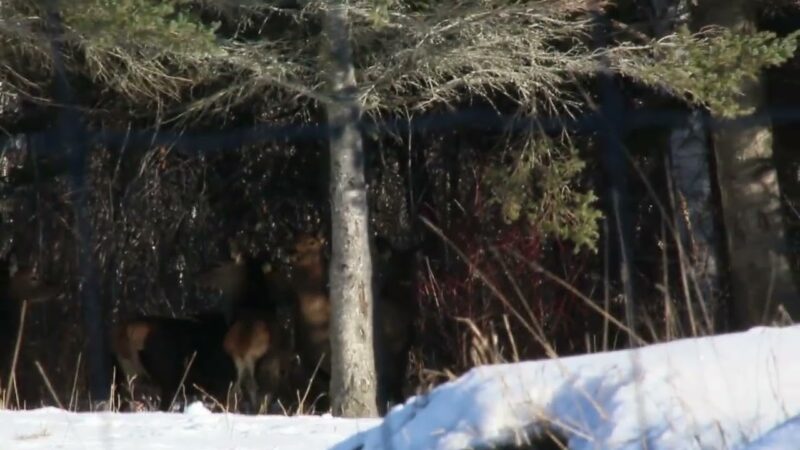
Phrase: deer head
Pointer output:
(308, 252)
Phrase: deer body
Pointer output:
(247, 341)
(312, 306)
(279, 355)
(393, 314)
(256, 299)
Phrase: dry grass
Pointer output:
(135, 398)
(11, 386)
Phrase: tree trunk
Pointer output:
(353, 379)
(761, 278)
(691, 199)
(690, 176)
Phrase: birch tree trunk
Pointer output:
(695, 221)
(761, 278)
(353, 380)
(690, 176)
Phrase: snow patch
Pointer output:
(718, 392)
(197, 409)
(783, 437)
(51, 428)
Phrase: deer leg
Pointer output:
(251, 386)
(240, 374)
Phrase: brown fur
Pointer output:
(127, 340)
(393, 311)
(257, 300)
(313, 307)
(247, 341)
(265, 350)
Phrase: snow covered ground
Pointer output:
(738, 391)
(783, 437)
(718, 392)
(196, 429)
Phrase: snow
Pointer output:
(738, 391)
(196, 429)
(783, 437)
(716, 392)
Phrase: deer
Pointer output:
(171, 352)
(248, 340)
(312, 307)
(256, 298)
(18, 285)
(393, 312)
(275, 354)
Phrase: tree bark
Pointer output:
(695, 221)
(353, 379)
(690, 174)
(761, 277)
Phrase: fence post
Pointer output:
(612, 127)
(74, 142)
